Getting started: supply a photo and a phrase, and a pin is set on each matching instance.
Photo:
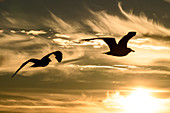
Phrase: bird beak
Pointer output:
(58, 59)
(133, 51)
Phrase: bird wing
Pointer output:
(111, 42)
(123, 42)
(90, 39)
(30, 60)
(58, 55)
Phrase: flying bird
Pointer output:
(119, 49)
(42, 62)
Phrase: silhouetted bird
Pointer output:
(119, 49)
(43, 62)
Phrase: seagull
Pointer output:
(42, 62)
(119, 49)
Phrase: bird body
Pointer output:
(42, 62)
(119, 52)
(119, 49)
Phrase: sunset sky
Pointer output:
(86, 81)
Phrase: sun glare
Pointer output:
(138, 101)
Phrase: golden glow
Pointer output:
(138, 101)
(36, 32)
(63, 36)
(150, 47)
(1, 31)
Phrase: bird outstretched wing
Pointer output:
(123, 42)
(58, 55)
(111, 42)
(30, 60)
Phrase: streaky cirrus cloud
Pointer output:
(112, 24)
(67, 40)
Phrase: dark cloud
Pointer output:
(2, 0)
(157, 37)
(162, 61)
(29, 14)
(2, 60)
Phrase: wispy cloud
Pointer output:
(60, 25)
(106, 23)
(54, 102)
(68, 39)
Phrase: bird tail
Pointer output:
(108, 53)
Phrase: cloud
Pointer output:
(118, 67)
(59, 24)
(36, 32)
(150, 47)
(1, 31)
(21, 47)
(167, 1)
(87, 53)
(2, 0)
(17, 45)
(50, 102)
(64, 101)
(2, 60)
(83, 62)
(110, 24)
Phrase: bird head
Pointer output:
(58, 56)
(131, 50)
(132, 33)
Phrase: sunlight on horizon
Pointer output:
(139, 100)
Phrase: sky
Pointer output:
(86, 81)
